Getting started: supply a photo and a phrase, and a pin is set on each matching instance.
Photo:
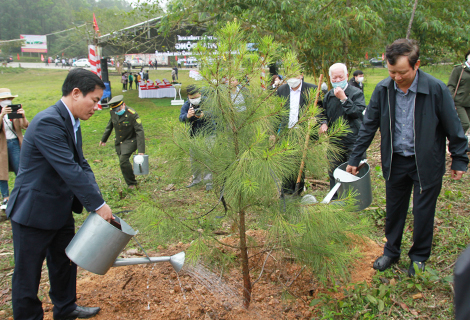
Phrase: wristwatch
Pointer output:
(343, 101)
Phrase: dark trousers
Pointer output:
(288, 185)
(31, 247)
(126, 167)
(404, 178)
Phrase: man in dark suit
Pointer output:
(346, 102)
(296, 92)
(53, 180)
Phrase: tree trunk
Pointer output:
(408, 32)
(244, 258)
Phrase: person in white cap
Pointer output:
(11, 138)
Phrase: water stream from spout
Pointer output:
(184, 296)
(148, 286)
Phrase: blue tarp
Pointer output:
(107, 92)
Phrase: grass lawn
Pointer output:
(155, 208)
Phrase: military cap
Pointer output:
(114, 102)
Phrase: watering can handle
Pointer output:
(361, 164)
(142, 248)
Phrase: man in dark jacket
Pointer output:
(415, 114)
(343, 101)
(357, 80)
(53, 180)
(192, 113)
(296, 92)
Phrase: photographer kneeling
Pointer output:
(191, 112)
(11, 137)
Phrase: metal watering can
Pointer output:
(141, 164)
(98, 243)
(346, 182)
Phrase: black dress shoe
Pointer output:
(80, 313)
(384, 262)
(411, 270)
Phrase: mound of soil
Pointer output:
(156, 291)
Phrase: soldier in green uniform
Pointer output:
(459, 86)
(129, 136)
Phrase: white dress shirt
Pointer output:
(294, 106)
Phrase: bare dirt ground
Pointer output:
(156, 291)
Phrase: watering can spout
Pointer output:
(176, 261)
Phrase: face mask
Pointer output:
(341, 84)
(294, 82)
(5, 103)
(360, 79)
(276, 82)
(468, 59)
(121, 112)
(195, 101)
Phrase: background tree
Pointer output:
(249, 157)
(317, 30)
(328, 31)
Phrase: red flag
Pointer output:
(42, 58)
(383, 56)
(95, 25)
(176, 58)
(367, 56)
(18, 56)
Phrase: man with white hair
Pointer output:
(343, 101)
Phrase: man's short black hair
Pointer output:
(192, 89)
(82, 79)
(357, 73)
(403, 47)
(466, 55)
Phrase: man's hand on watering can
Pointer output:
(105, 213)
(351, 169)
(457, 175)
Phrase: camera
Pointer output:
(197, 112)
(14, 111)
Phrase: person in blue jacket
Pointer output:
(192, 113)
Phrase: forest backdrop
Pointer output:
(321, 31)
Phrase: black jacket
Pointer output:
(284, 91)
(435, 119)
(351, 111)
(353, 83)
(196, 124)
